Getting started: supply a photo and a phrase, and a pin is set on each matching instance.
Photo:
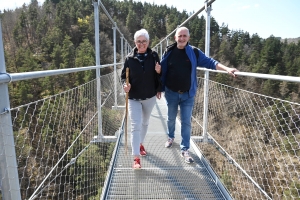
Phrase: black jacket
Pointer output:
(143, 79)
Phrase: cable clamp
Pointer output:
(10, 78)
(6, 110)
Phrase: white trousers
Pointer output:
(140, 112)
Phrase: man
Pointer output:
(179, 78)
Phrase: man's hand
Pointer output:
(231, 71)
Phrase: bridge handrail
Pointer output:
(6, 77)
(13, 77)
(258, 75)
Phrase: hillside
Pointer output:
(290, 40)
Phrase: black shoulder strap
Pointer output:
(196, 52)
(155, 56)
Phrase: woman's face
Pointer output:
(141, 44)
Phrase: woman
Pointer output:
(144, 71)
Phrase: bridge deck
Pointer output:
(164, 174)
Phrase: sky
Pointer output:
(280, 18)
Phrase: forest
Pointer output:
(60, 34)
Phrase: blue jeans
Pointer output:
(186, 104)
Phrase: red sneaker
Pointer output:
(137, 164)
(142, 150)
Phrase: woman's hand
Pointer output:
(126, 87)
(157, 68)
(158, 95)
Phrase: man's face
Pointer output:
(182, 38)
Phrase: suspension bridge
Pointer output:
(73, 145)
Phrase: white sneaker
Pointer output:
(186, 156)
(169, 143)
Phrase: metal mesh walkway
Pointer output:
(164, 174)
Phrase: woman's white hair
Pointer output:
(142, 32)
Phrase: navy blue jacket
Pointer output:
(202, 61)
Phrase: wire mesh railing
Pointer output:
(57, 156)
(255, 141)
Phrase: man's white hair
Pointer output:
(182, 28)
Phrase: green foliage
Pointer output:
(131, 21)
(68, 53)
(53, 38)
(224, 52)
(59, 32)
(19, 30)
(197, 30)
(290, 144)
(56, 56)
(293, 191)
(270, 87)
(227, 180)
(222, 78)
(239, 52)
(85, 56)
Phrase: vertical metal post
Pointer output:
(122, 49)
(97, 49)
(122, 56)
(126, 48)
(115, 61)
(161, 49)
(206, 75)
(9, 178)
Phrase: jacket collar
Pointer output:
(172, 46)
(134, 52)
